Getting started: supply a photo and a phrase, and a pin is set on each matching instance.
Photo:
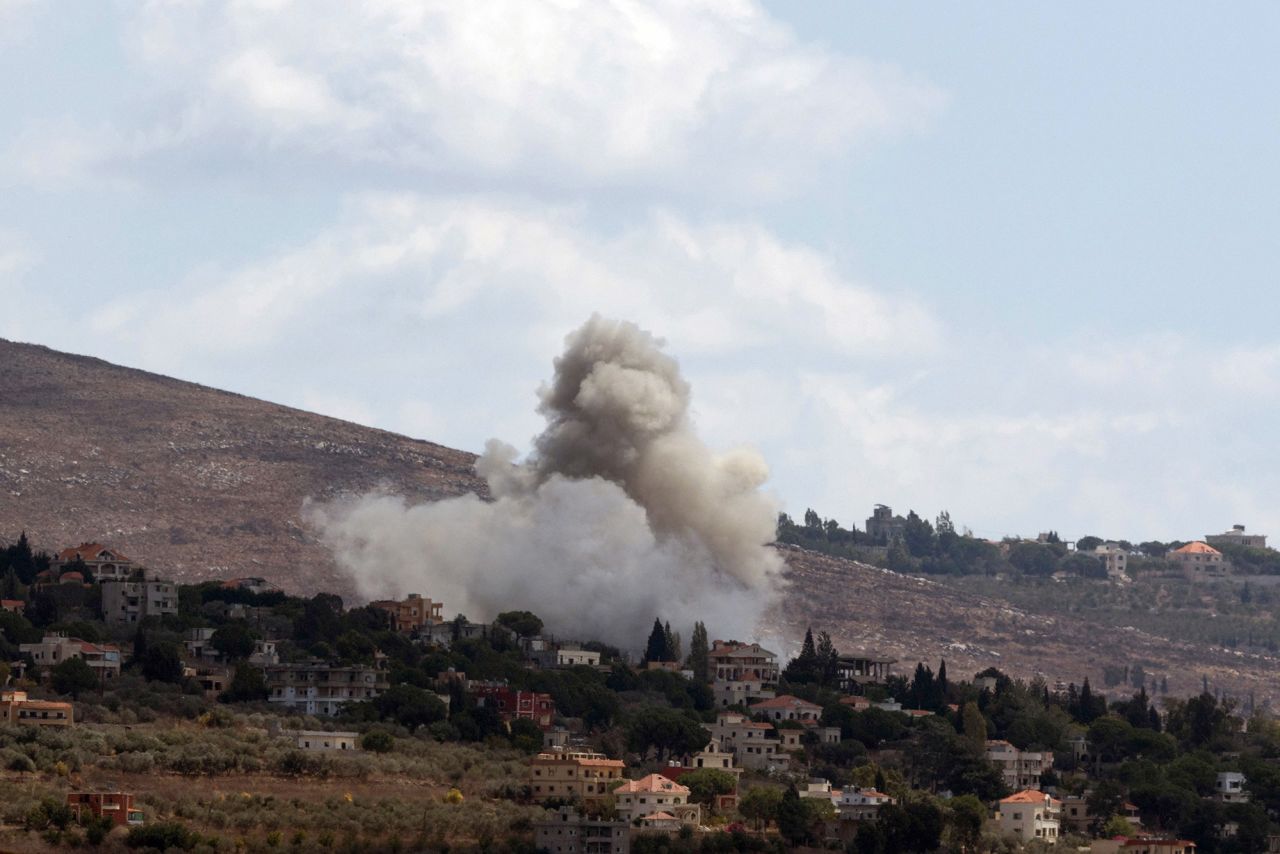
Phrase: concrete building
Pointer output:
(741, 672)
(1199, 559)
(117, 807)
(1229, 787)
(318, 688)
(103, 563)
(567, 831)
(17, 710)
(582, 776)
(854, 671)
(1114, 558)
(639, 799)
(1021, 769)
(1237, 537)
(131, 601)
(56, 648)
(861, 804)
(883, 526)
(1028, 815)
(1142, 845)
(513, 704)
(309, 739)
(413, 614)
(787, 708)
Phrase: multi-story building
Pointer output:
(1198, 559)
(861, 804)
(755, 746)
(513, 704)
(653, 794)
(1028, 815)
(56, 648)
(1237, 537)
(318, 688)
(1114, 558)
(412, 614)
(574, 775)
(116, 807)
(1020, 769)
(854, 671)
(741, 672)
(131, 601)
(787, 708)
(1143, 845)
(17, 710)
(104, 564)
(1075, 815)
(1229, 787)
(567, 831)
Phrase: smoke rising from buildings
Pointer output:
(620, 513)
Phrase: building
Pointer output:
(639, 799)
(582, 776)
(13, 606)
(861, 804)
(444, 634)
(1199, 559)
(854, 671)
(1021, 769)
(575, 657)
(787, 708)
(251, 584)
(741, 672)
(309, 739)
(567, 831)
(16, 709)
(1075, 816)
(1114, 557)
(513, 704)
(117, 807)
(1237, 537)
(413, 614)
(1028, 815)
(883, 526)
(1142, 845)
(317, 688)
(104, 564)
(131, 601)
(264, 653)
(755, 746)
(56, 648)
(712, 756)
(1229, 787)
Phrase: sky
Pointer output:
(1015, 261)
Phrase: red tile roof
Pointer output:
(1197, 548)
(89, 551)
(652, 783)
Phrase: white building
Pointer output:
(637, 799)
(56, 648)
(1230, 787)
(861, 804)
(1021, 769)
(1028, 815)
(130, 601)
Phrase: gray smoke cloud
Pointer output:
(620, 513)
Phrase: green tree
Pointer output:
(700, 653)
(795, 821)
(975, 725)
(525, 624)
(410, 706)
(760, 805)
(248, 685)
(705, 784)
(234, 641)
(526, 735)
(917, 536)
(665, 731)
(377, 741)
(968, 814)
(656, 648)
(162, 662)
(73, 676)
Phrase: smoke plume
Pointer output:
(620, 514)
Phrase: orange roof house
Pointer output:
(1199, 558)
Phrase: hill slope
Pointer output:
(200, 482)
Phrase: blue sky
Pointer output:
(1012, 260)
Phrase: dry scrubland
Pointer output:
(225, 778)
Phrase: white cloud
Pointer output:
(539, 91)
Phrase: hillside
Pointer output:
(910, 618)
(208, 484)
(201, 482)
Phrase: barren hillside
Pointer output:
(198, 481)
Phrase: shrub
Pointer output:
(162, 836)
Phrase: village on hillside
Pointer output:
(697, 744)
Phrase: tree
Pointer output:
(968, 814)
(525, 624)
(665, 731)
(673, 643)
(526, 735)
(73, 676)
(827, 660)
(917, 536)
(410, 706)
(1033, 559)
(1105, 801)
(975, 725)
(162, 663)
(795, 821)
(233, 641)
(760, 805)
(1088, 544)
(656, 648)
(377, 741)
(700, 653)
(248, 685)
(705, 784)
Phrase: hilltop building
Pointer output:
(103, 563)
(882, 525)
(741, 672)
(1199, 559)
(1114, 557)
(854, 671)
(1237, 537)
